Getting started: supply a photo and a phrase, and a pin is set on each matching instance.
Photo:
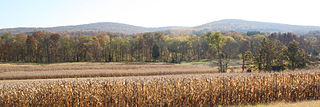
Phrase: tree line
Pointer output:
(258, 51)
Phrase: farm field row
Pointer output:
(86, 70)
(165, 90)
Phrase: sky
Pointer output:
(155, 13)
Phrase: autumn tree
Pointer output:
(42, 45)
(265, 55)
(267, 51)
(155, 52)
(216, 42)
(19, 47)
(6, 47)
(66, 49)
(53, 48)
(292, 52)
(248, 60)
(280, 57)
(229, 50)
(244, 47)
(31, 48)
(297, 57)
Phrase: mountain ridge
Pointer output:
(244, 26)
(220, 25)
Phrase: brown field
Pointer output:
(81, 70)
(164, 90)
(311, 103)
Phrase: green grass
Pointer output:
(198, 62)
(233, 62)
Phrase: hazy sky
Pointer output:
(155, 13)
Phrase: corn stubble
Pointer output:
(86, 70)
(179, 90)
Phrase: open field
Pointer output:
(165, 90)
(81, 70)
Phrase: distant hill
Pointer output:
(244, 26)
(103, 26)
(221, 25)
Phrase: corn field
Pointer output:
(175, 90)
(88, 70)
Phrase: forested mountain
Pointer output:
(244, 26)
(102, 27)
(221, 25)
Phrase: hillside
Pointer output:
(244, 26)
(221, 25)
(102, 26)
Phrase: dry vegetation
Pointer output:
(77, 70)
(312, 103)
(170, 90)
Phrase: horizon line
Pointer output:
(44, 27)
